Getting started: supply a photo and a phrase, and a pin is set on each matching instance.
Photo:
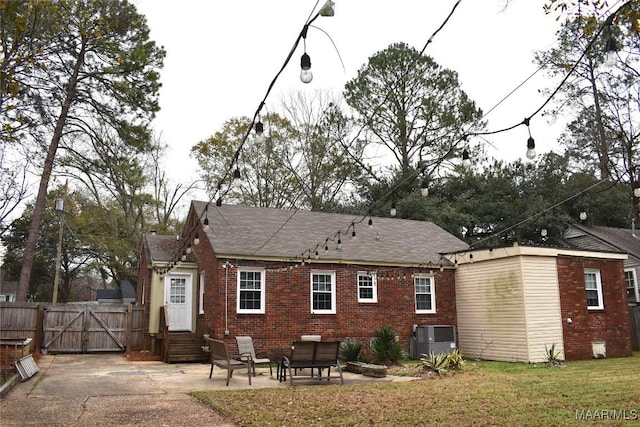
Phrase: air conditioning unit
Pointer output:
(432, 338)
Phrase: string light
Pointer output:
(371, 221)
(353, 231)
(531, 144)
(466, 161)
(393, 210)
(306, 76)
(259, 132)
(236, 178)
(424, 188)
(611, 52)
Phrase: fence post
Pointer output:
(39, 335)
(128, 334)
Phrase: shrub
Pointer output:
(443, 362)
(385, 347)
(553, 356)
(350, 350)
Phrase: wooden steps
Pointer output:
(185, 347)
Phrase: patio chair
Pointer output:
(245, 345)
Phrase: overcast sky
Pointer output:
(222, 55)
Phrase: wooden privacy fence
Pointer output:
(74, 327)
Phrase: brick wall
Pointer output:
(288, 313)
(610, 324)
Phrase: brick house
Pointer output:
(612, 239)
(514, 302)
(278, 274)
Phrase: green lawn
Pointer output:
(604, 391)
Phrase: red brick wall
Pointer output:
(288, 314)
(611, 324)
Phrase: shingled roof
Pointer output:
(607, 239)
(274, 234)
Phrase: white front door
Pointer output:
(178, 296)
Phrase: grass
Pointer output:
(486, 393)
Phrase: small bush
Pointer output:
(385, 348)
(441, 363)
(552, 356)
(350, 350)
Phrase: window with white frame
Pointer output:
(632, 289)
(425, 292)
(201, 302)
(323, 292)
(593, 286)
(251, 290)
(367, 286)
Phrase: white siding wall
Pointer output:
(542, 306)
(490, 304)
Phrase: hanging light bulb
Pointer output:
(305, 65)
(353, 231)
(205, 223)
(196, 239)
(328, 9)
(466, 161)
(259, 132)
(317, 254)
(611, 53)
(636, 189)
(339, 242)
(370, 223)
(543, 232)
(236, 178)
(531, 148)
(393, 210)
(189, 249)
(583, 215)
(424, 188)
(183, 257)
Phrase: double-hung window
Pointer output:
(251, 290)
(630, 279)
(323, 292)
(367, 287)
(425, 292)
(593, 286)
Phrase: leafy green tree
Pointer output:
(414, 108)
(98, 69)
(304, 160)
(265, 179)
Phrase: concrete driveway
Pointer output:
(108, 389)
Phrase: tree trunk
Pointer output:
(47, 168)
(603, 146)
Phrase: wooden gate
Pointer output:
(84, 328)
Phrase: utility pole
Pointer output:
(60, 210)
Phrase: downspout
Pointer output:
(226, 266)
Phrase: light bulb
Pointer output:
(424, 188)
(611, 56)
(543, 232)
(583, 215)
(259, 132)
(531, 149)
(236, 178)
(305, 68)
(636, 192)
(466, 161)
(393, 210)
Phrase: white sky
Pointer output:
(222, 56)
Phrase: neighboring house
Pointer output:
(125, 294)
(515, 302)
(8, 289)
(612, 239)
(278, 274)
